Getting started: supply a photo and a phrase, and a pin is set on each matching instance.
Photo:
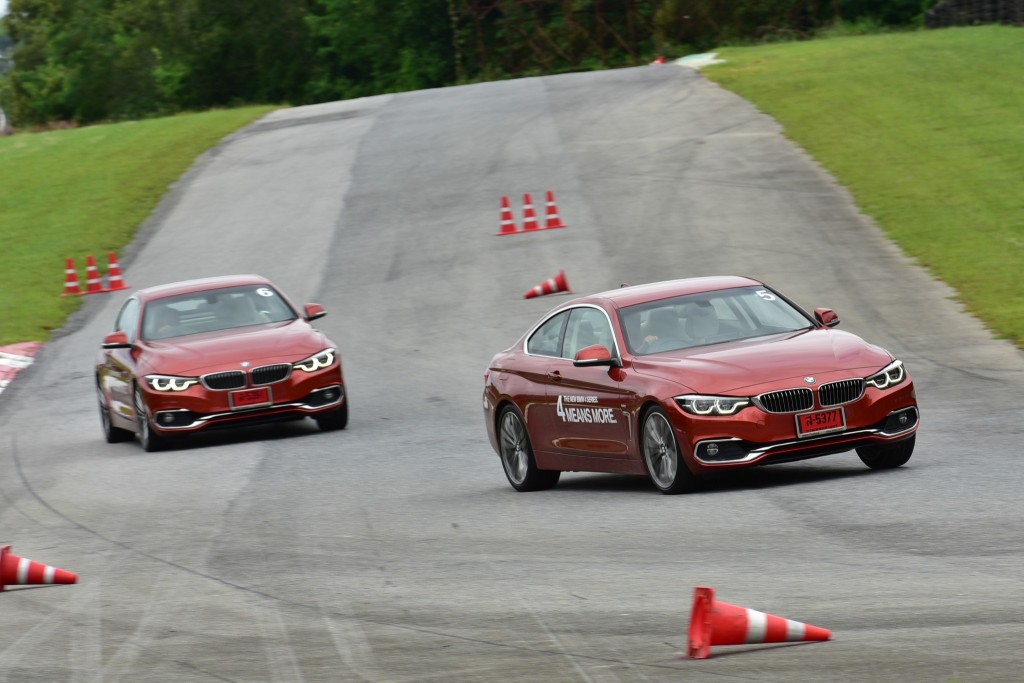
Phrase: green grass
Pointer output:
(926, 129)
(71, 193)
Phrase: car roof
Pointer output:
(638, 294)
(199, 285)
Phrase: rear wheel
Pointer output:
(111, 433)
(517, 455)
(148, 439)
(887, 456)
(664, 465)
(334, 419)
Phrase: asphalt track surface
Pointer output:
(395, 550)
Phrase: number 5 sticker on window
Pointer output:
(766, 295)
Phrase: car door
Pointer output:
(534, 372)
(587, 405)
(119, 364)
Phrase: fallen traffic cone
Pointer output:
(719, 623)
(529, 218)
(549, 286)
(70, 279)
(553, 220)
(21, 571)
(92, 276)
(508, 224)
(114, 279)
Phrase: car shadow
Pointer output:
(225, 437)
(757, 478)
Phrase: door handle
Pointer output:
(555, 376)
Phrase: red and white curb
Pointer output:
(15, 358)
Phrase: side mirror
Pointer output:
(116, 340)
(595, 355)
(314, 311)
(826, 316)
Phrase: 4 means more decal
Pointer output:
(584, 413)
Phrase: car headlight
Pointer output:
(324, 359)
(891, 375)
(712, 405)
(170, 382)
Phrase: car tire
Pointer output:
(148, 438)
(665, 467)
(887, 456)
(334, 419)
(517, 455)
(111, 433)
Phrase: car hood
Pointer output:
(227, 349)
(760, 363)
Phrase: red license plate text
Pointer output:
(822, 422)
(247, 398)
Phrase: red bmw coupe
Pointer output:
(683, 378)
(212, 353)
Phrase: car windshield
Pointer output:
(215, 309)
(684, 322)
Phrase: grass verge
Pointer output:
(925, 129)
(70, 193)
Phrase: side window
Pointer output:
(587, 326)
(545, 340)
(128, 318)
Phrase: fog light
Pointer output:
(712, 449)
(167, 419)
(903, 419)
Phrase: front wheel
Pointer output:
(148, 439)
(333, 419)
(665, 467)
(111, 433)
(887, 456)
(517, 455)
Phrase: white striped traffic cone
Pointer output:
(21, 571)
(114, 279)
(93, 285)
(552, 219)
(70, 279)
(549, 286)
(529, 217)
(719, 623)
(508, 224)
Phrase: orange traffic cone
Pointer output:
(70, 279)
(508, 224)
(553, 220)
(549, 286)
(92, 276)
(114, 279)
(21, 571)
(529, 218)
(719, 623)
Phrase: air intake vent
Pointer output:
(838, 393)
(786, 401)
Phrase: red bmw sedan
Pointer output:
(214, 353)
(679, 379)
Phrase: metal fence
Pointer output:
(972, 12)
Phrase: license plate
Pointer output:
(821, 422)
(248, 398)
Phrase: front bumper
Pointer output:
(184, 420)
(199, 408)
(755, 437)
(898, 425)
